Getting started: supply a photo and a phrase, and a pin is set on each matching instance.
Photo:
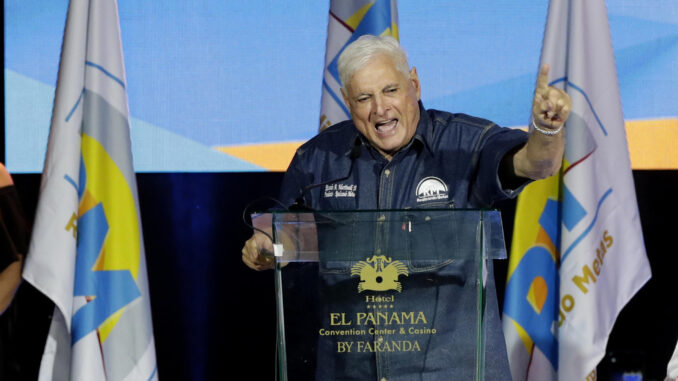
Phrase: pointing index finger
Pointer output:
(543, 79)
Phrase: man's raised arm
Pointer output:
(542, 156)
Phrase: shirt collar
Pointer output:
(357, 139)
(424, 133)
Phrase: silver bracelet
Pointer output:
(548, 132)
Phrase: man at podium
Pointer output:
(395, 154)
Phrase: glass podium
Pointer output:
(387, 294)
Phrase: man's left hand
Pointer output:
(542, 156)
(551, 106)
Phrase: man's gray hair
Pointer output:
(361, 51)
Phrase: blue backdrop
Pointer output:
(224, 73)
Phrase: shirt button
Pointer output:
(387, 172)
(380, 339)
(383, 379)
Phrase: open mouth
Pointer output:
(386, 127)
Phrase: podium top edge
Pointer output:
(410, 210)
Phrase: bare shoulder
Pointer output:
(5, 178)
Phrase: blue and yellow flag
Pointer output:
(87, 251)
(350, 19)
(577, 255)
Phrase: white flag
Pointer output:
(584, 258)
(672, 369)
(86, 252)
(350, 19)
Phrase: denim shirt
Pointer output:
(452, 161)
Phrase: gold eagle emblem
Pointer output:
(381, 276)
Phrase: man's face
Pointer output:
(383, 104)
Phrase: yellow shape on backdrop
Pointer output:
(270, 156)
(652, 143)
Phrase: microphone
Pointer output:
(300, 202)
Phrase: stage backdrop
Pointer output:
(221, 85)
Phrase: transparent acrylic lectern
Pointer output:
(394, 294)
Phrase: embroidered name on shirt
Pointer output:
(431, 188)
(340, 190)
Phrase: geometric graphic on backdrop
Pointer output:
(271, 156)
(652, 143)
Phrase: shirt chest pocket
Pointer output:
(438, 204)
(422, 242)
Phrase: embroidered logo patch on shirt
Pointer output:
(431, 188)
(339, 190)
